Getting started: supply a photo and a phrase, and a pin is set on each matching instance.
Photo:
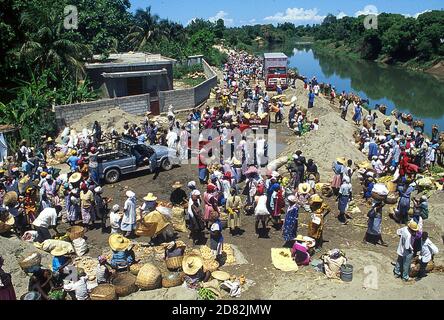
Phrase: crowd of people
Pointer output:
(38, 197)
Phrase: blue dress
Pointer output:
(358, 114)
(404, 202)
(290, 227)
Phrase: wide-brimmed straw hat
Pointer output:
(304, 188)
(177, 185)
(316, 199)
(75, 177)
(59, 251)
(341, 160)
(413, 225)
(150, 197)
(191, 264)
(117, 242)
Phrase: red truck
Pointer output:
(275, 70)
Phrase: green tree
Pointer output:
(146, 28)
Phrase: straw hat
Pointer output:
(59, 251)
(177, 185)
(75, 177)
(341, 160)
(49, 139)
(413, 225)
(220, 275)
(150, 197)
(10, 198)
(316, 199)
(191, 264)
(117, 242)
(304, 188)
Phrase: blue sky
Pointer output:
(241, 12)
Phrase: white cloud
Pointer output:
(222, 15)
(296, 15)
(368, 9)
(416, 15)
(252, 20)
(191, 20)
(341, 15)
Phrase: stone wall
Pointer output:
(70, 113)
(192, 97)
(180, 99)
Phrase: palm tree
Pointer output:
(48, 44)
(145, 29)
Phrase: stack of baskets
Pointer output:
(104, 292)
(149, 277)
(124, 284)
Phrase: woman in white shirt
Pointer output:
(428, 250)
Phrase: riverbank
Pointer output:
(434, 67)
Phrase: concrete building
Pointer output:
(131, 73)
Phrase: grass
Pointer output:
(192, 82)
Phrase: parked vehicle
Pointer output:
(275, 70)
(129, 156)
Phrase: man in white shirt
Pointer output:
(428, 250)
(405, 250)
(79, 287)
(47, 219)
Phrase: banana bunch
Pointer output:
(384, 179)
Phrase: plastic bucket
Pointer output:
(347, 272)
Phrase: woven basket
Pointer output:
(174, 263)
(210, 265)
(124, 284)
(172, 279)
(103, 292)
(28, 262)
(10, 199)
(76, 232)
(149, 277)
(135, 268)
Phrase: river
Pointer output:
(417, 93)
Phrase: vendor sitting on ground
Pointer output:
(178, 196)
(123, 255)
(192, 266)
(103, 274)
(60, 262)
(300, 250)
(172, 250)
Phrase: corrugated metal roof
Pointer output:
(274, 55)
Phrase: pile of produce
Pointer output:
(206, 254)
(206, 294)
(88, 264)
